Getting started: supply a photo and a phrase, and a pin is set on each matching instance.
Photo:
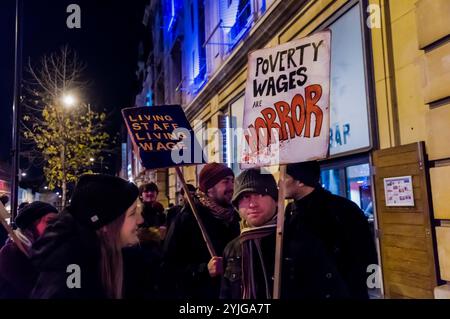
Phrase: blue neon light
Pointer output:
(172, 16)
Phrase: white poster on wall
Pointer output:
(287, 102)
(398, 191)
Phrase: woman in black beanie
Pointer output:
(80, 255)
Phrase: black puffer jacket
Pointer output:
(327, 248)
(186, 255)
(66, 243)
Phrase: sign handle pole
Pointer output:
(208, 242)
(10, 231)
(279, 234)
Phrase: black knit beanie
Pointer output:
(253, 181)
(32, 212)
(99, 199)
(307, 172)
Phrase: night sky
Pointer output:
(107, 42)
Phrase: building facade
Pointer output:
(389, 114)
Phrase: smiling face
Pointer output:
(222, 192)
(256, 209)
(128, 231)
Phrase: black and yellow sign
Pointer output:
(163, 136)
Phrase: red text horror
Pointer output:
(289, 121)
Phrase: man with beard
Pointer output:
(190, 270)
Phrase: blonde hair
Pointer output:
(111, 262)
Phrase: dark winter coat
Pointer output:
(153, 215)
(3, 236)
(17, 274)
(186, 255)
(142, 272)
(231, 286)
(327, 248)
(172, 213)
(63, 244)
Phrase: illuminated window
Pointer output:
(241, 24)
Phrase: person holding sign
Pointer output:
(327, 240)
(249, 259)
(188, 265)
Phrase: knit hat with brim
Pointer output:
(254, 181)
(99, 199)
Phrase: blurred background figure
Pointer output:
(17, 274)
(4, 199)
(173, 211)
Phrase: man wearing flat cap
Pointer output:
(327, 240)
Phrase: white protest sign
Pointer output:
(287, 102)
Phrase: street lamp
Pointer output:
(91, 159)
(68, 100)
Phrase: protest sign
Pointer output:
(287, 102)
(287, 113)
(163, 136)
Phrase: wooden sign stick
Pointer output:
(208, 242)
(279, 234)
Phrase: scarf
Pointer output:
(250, 240)
(226, 214)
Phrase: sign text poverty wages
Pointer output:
(287, 102)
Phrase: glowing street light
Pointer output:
(23, 174)
(69, 100)
(91, 159)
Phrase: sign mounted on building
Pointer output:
(398, 191)
(163, 136)
(287, 102)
